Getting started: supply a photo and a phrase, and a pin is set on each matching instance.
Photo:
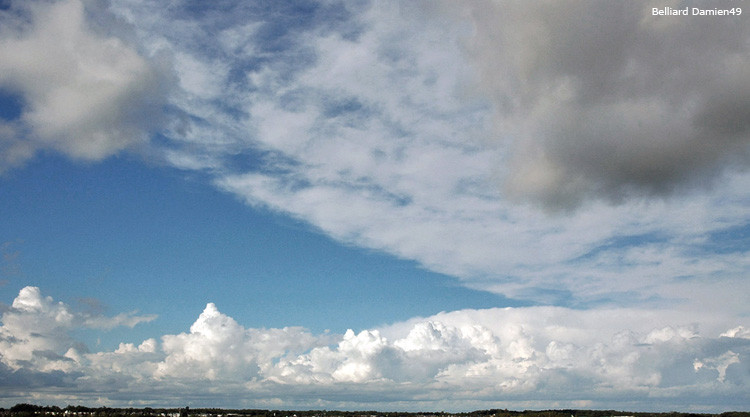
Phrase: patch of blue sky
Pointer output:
(349, 106)
(12, 14)
(621, 299)
(621, 243)
(250, 159)
(282, 23)
(11, 105)
(565, 297)
(289, 17)
(295, 100)
(139, 237)
(377, 192)
(274, 30)
(476, 187)
(731, 240)
(550, 296)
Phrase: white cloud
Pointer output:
(35, 332)
(719, 363)
(217, 347)
(35, 324)
(214, 347)
(455, 360)
(738, 331)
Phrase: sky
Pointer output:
(375, 205)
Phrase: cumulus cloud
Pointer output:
(618, 104)
(35, 332)
(454, 360)
(83, 93)
(217, 347)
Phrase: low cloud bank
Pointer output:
(543, 356)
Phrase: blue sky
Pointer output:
(128, 233)
(374, 205)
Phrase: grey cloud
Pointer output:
(83, 93)
(98, 321)
(602, 100)
(20, 380)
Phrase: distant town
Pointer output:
(31, 410)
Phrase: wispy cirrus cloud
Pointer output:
(413, 129)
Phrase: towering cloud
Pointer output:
(454, 360)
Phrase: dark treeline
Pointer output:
(30, 410)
